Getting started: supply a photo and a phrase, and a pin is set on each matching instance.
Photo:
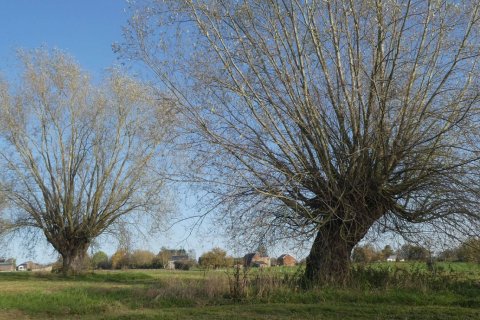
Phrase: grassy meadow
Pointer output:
(377, 291)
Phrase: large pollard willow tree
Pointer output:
(325, 119)
(78, 158)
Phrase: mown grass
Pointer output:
(379, 291)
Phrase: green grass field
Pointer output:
(380, 291)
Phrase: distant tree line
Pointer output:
(144, 259)
(408, 252)
(138, 259)
(216, 258)
(467, 251)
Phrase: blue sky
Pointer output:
(86, 30)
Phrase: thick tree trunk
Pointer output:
(329, 258)
(66, 263)
(73, 259)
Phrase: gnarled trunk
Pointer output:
(73, 259)
(329, 258)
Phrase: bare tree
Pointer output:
(325, 120)
(78, 157)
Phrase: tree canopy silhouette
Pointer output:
(325, 120)
(78, 157)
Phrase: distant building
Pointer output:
(175, 252)
(256, 260)
(177, 255)
(170, 265)
(7, 264)
(394, 258)
(286, 260)
(33, 266)
(26, 266)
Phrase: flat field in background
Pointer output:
(378, 291)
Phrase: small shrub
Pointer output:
(238, 282)
(183, 265)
